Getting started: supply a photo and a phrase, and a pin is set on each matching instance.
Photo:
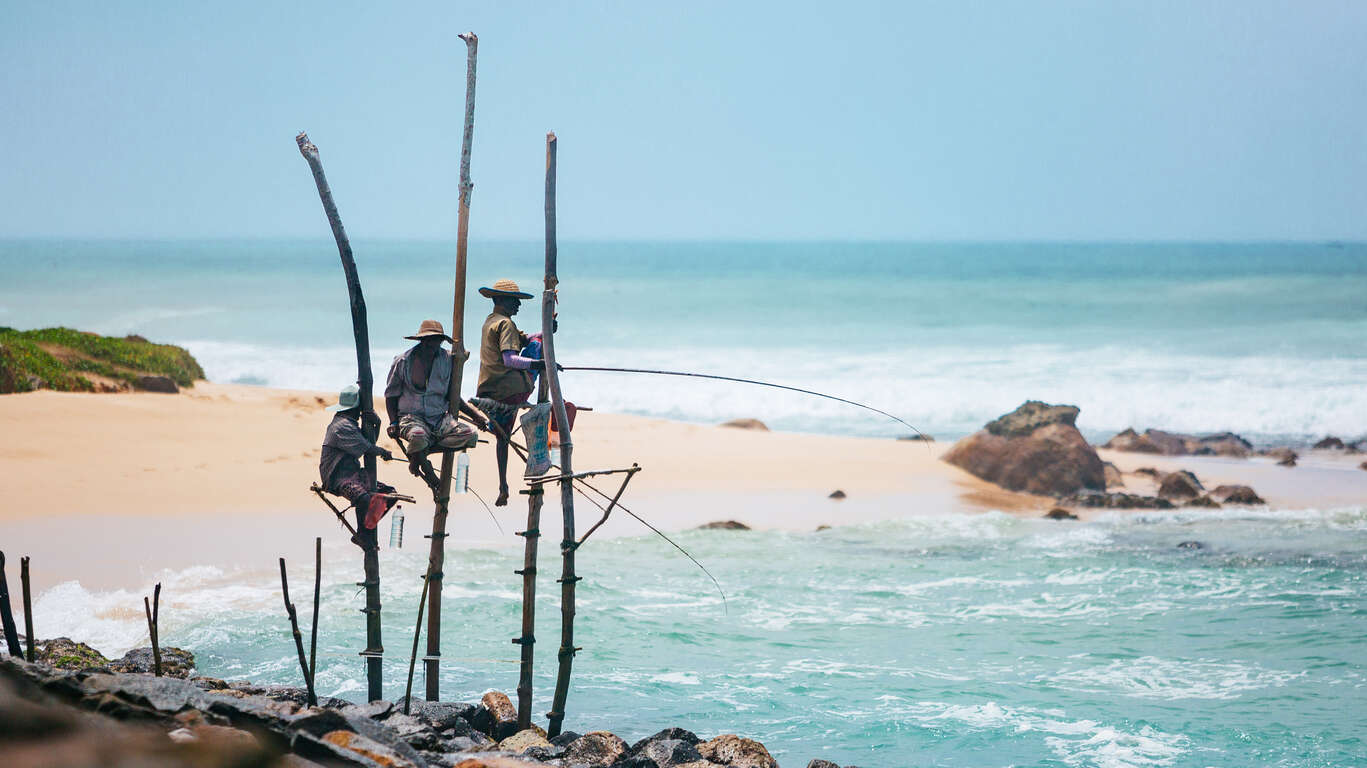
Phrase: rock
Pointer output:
(737, 751)
(65, 653)
(1175, 444)
(1179, 485)
(523, 740)
(1112, 474)
(502, 715)
(375, 710)
(596, 749)
(164, 384)
(725, 525)
(175, 662)
(1203, 501)
(669, 753)
(1058, 513)
(1363, 465)
(1148, 471)
(369, 749)
(1289, 461)
(1236, 494)
(820, 528)
(1284, 456)
(1116, 501)
(836, 494)
(164, 694)
(1190, 545)
(1224, 444)
(208, 683)
(681, 734)
(1330, 443)
(442, 715)
(918, 437)
(818, 763)
(755, 424)
(565, 738)
(1035, 448)
(542, 754)
(1130, 441)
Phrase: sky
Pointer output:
(789, 120)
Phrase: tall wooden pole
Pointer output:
(437, 556)
(317, 587)
(567, 543)
(28, 608)
(370, 423)
(7, 615)
(528, 638)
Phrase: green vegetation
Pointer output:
(55, 358)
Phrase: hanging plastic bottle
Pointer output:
(396, 529)
(462, 479)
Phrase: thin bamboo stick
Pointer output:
(7, 615)
(568, 579)
(527, 640)
(437, 557)
(370, 423)
(317, 587)
(28, 607)
(152, 631)
(417, 632)
(298, 638)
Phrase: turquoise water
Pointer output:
(950, 641)
(1268, 340)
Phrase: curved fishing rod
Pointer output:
(743, 381)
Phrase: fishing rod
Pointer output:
(743, 381)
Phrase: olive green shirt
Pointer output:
(496, 380)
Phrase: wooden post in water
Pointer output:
(567, 543)
(317, 587)
(153, 632)
(298, 638)
(28, 607)
(7, 615)
(370, 423)
(528, 638)
(437, 557)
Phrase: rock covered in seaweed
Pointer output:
(175, 662)
(1035, 448)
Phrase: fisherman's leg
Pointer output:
(505, 428)
(353, 489)
(455, 435)
(416, 435)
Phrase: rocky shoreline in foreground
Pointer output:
(95, 712)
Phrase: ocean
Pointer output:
(1227, 637)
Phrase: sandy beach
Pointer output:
(111, 489)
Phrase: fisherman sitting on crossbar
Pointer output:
(339, 469)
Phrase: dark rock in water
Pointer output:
(755, 424)
(175, 662)
(737, 751)
(502, 715)
(164, 384)
(65, 653)
(1284, 456)
(820, 528)
(1058, 513)
(442, 715)
(836, 494)
(1176, 444)
(1149, 471)
(1190, 545)
(1116, 501)
(725, 525)
(565, 738)
(1330, 443)
(1288, 461)
(1203, 501)
(1035, 449)
(1236, 494)
(666, 753)
(819, 763)
(1223, 444)
(918, 437)
(1179, 485)
(1363, 465)
(1112, 475)
(594, 749)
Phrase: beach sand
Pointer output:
(111, 489)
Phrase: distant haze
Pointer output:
(777, 120)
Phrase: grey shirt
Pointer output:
(343, 444)
(428, 404)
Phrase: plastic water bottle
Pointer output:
(462, 473)
(396, 529)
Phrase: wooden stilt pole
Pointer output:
(298, 638)
(317, 588)
(28, 608)
(437, 557)
(528, 638)
(417, 632)
(370, 423)
(567, 543)
(7, 615)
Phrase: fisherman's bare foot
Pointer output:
(502, 500)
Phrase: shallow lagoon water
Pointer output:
(950, 640)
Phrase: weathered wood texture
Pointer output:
(28, 608)
(7, 615)
(417, 632)
(153, 611)
(317, 589)
(298, 638)
(527, 640)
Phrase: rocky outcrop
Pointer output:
(1112, 474)
(595, 749)
(1284, 456)
(1102, 500)
(163, 384)
(1179, 485)
(65, 653)
(1059, 513)
(754, 424)
(496, 715)
(836, 494)
(1177, 444)
(724, 525)
(175, 662)
(1237, 494)
(1330, 443)
(737, 752)
(1035, 448)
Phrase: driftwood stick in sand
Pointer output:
(7, 615)
(528, 638)
(417, 632)
(317, 587)
(28, 608)
(370, 423)
(437, 556)
(567, 544)
(298, 638)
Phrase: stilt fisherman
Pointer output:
(505, 375)
(339, 467)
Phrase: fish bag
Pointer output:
(536, 425)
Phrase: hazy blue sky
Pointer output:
(789, 120)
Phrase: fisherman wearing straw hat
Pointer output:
(504, 374)
(416, 397)
(339, 467)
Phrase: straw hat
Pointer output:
(430, 328)
(347, 399)
(504, 287)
